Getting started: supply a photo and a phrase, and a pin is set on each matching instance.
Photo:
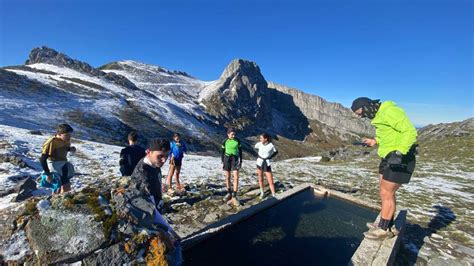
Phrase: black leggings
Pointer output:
(64, 176)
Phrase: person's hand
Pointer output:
(369, 142)
(49, 177)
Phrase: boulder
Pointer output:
(60, 236)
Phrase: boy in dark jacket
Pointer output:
(147, 174)
(130, 155)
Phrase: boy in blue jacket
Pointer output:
(178, 148)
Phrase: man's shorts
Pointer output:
(399, 174)
(231, 163)
(58, 167)
(176, 162)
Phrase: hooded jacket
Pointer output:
(393, 129)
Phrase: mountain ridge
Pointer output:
(106, 102)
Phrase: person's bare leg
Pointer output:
(170, 176)
(227, 179)
(177, 172)
(387, 196)
(270, 182)
(236, 180)
(66, 188)
(260, 179)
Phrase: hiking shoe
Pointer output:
(393, 229)
(372, 225)
(164, 188)
(227, 197)
(378, 234)
(262, 196)
(234, 201)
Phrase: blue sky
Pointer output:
(416, 53)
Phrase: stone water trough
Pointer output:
(307, 225)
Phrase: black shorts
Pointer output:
(231, 163)
(176, 162)
(265, 168)
(399, 174)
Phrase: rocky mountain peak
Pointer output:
(50, 56)
(239, 98)
(241, 67)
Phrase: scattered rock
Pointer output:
(466, 250)
(13, 159)
(24, 189)
(427, 240)
(35, 132)
(113, 255)
(59, 236)
(225, 207)
(436, 236)
(211, 217)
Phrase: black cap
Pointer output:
(361, 102)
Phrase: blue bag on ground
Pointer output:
(55, 184)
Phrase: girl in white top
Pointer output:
(266, 151)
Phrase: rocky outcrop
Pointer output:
(332, 114)
(89, 226)
(62, 236)
(240, 97)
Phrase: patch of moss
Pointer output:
(110, 224)
(30, 207)
(91, 198)
(68, 204)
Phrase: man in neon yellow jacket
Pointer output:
(395, 136)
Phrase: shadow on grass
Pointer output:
(415, 234)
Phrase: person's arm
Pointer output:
(273, 154)
(122, 157)
(240, 153)
(223, 151)
(46, 151)
(44, 163)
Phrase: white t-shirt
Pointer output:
(264, 151)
